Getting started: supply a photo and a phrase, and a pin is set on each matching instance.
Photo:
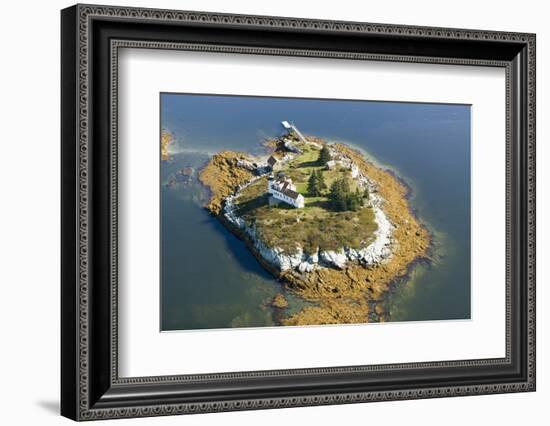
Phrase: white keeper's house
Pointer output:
(283, 190)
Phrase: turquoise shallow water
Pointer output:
(209, 279)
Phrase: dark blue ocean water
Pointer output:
(210, 280)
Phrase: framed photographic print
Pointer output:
(263, 212)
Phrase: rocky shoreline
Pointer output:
(376, 252)
(342, 283)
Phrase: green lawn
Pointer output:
(314, 226)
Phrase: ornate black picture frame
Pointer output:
(91, 387)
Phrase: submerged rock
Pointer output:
(379, 309)
(279, 301)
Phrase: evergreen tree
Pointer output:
(342, 198)
(324, 155)
(313, 186)
(321, 181)
(316, 183)
(337, 195)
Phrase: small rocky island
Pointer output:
(336, 229)
(166, 139)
